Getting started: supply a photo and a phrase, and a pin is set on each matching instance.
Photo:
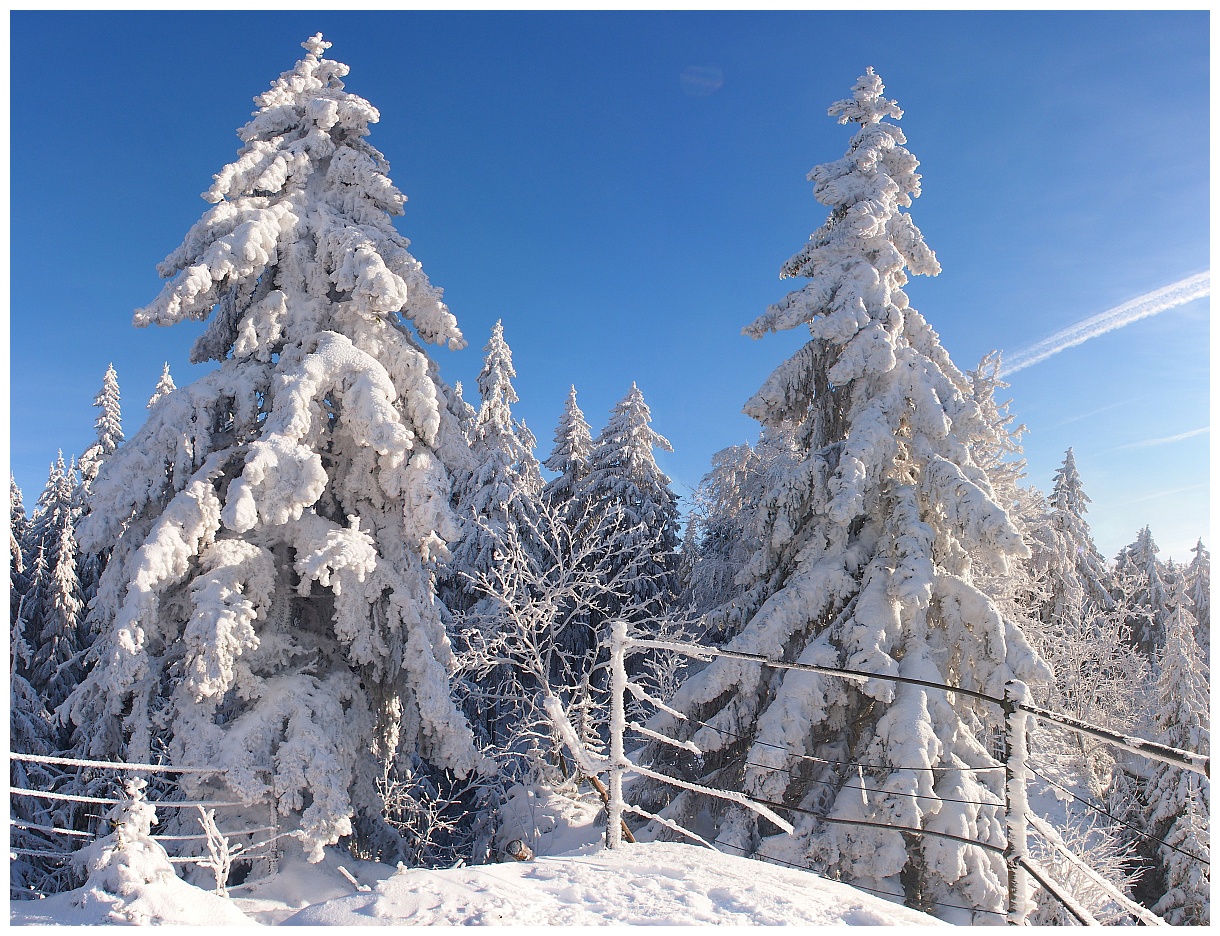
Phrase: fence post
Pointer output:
(618, 724)
(273, 854)
(1016, 803)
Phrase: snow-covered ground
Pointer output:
(574, 881)
(654, 883)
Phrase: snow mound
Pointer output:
(656, 883)
(166, 901)
(131, 881)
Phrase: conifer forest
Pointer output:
(326, 611)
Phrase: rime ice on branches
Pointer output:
(270, 601)
(872, 547)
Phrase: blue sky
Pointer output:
(621, 190)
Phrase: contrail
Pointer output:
(1154, 496)
(1159, 300)
(1166, 440)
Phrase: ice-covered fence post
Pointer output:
(618, 724)
(1016, 804)
(273, 853)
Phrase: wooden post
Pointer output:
(618, 724)
(1016, 803)
(602, 792)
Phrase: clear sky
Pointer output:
(621, 190)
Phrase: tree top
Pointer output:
(315, 45)
(866, 105)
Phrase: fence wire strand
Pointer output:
(1122, 822)
(830, 763)
(42, 828)
(113, 765)
(808, 780)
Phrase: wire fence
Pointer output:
(249, 852)
(1016, 767)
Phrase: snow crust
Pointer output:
(656, 883)
(645, 884)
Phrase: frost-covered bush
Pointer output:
(129, 857)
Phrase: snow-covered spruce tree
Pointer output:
(31, 731)
(1081, 632)
(165, 386)
(624, 479)
(270, 602)
(1081, 570)
(569, 459)
(724, 515)
(499, 502)
(1199, 583)
(871, 546)
(462, 411)
(19, 559)
(54, 606)
(626, 506)
(626, 509)
(109, 426)
(1140, 588)
(45, 665)
(1177, 801)
(503, 489)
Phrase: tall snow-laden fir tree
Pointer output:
(18, 538)
(498, 507)
(1177, 809)
(31, 731)
(109, 426)
(54, 603)
(1080, 630)
(270, 604)
(1140, 588)
(462, 411)
(165, 386)
(871, 546)
(503, 489)
(724, 515)
(1199, 583)
(1082, 570)
(569, 459)
(624, 481)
